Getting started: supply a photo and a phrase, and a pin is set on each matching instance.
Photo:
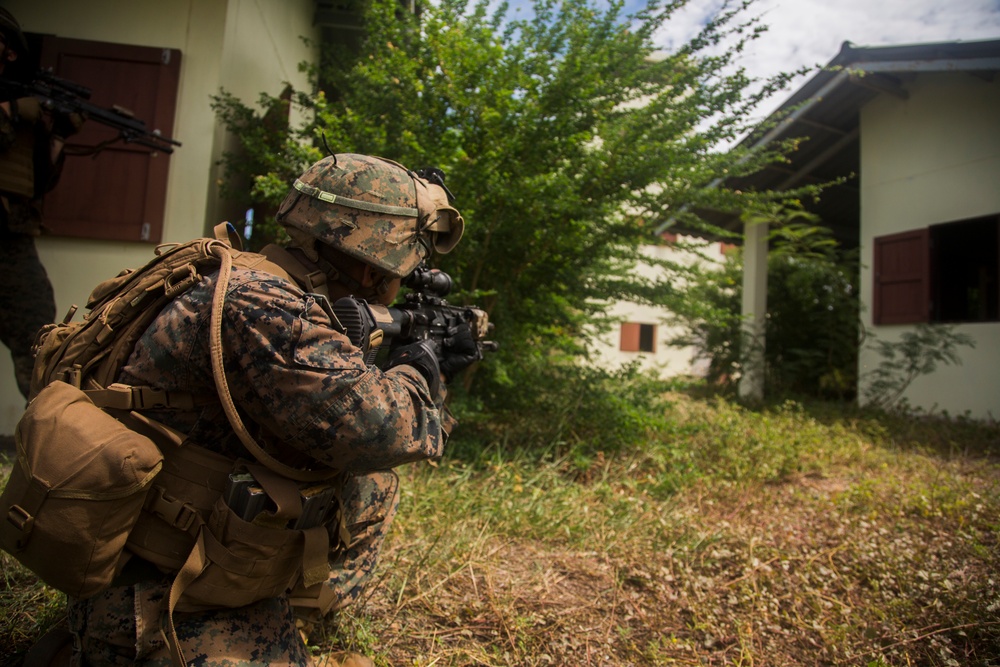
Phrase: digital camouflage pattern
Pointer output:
(292, 373)
(372, 209)
(27, 302)
(121, 626)
(370, 503)
(299, 380)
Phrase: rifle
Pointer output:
(66, 97)
(424, 315)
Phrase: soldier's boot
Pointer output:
(54, 649)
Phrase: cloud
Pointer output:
(809, 33)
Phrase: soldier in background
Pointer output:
(31, 143)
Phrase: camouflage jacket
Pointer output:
(302, 389)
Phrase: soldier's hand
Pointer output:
(458, 352)
(65, 125)
(421, 355)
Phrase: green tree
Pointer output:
(565, 136)
(812, 330)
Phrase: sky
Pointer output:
(811, 32)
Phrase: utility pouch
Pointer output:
(75, 492)
(237, 561)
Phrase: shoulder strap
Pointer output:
(222, 386)
(311, 281)
(225, 232)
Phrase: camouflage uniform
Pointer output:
(310, 393)
(306, 394)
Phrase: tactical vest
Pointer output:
(17, 169)
(187, 523)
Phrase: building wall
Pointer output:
(667, 361)
(244, 46)
(929, 159)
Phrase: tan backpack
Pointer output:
(94, 475)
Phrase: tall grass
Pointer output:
(792, 534)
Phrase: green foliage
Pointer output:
(812, 327)
(269, 156)
(917, 352)
(707, 305)
(570, 408)
(553, 131)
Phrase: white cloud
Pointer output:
(809, 33)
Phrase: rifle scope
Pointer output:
(435, 281)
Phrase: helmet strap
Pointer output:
(354, 286)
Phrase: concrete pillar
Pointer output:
(754, 309)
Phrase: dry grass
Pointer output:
(880, 549)
(788, 536)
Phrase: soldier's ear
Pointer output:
(371, 276)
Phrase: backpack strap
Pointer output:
(311, 281)
(120, 396)
(225, 232)
(222, 386)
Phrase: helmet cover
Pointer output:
(372, 209)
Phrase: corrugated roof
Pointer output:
(825, 110)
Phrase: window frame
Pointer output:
(909, 269)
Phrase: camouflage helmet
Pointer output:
(11, 31)
(372, 209)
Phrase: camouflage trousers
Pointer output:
(27, 302)
(122, 625)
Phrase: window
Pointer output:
(943, 273)
(120, 193)
(637, 337)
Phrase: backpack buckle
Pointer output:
(177, 513)
(149, 398)
(180, 280)
(18, 517)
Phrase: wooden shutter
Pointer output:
(636, 337)
(901, 292)
(630, 337)
(120, 194)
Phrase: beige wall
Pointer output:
(929, 159)
(245, 46)
(667, 361)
